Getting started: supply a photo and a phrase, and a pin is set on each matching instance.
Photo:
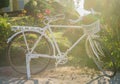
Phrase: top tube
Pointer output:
(81, 26)
(88, 29)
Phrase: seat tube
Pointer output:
(53, 38)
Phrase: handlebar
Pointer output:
(52, 19)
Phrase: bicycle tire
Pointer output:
(17, 50)
(104, 61)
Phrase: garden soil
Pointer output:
(59, 75)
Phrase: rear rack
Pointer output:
(20, 28)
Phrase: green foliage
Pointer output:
(41, 8)
(62, 40)
(30, 7)
(34, 7)
(111, 34)
(4, 34)
(4, 31)
(26, 21)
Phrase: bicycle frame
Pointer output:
(60, 57)
(56, 46)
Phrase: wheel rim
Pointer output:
(103, 61)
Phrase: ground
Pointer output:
(59, 75)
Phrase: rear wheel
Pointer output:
(17, 51)
(101, 56)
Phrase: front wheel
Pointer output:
(17, 51)
(101, 57)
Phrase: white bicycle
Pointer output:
(31, 49)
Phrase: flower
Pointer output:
(40, 15)
(47, 11)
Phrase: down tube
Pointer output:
(75, 43)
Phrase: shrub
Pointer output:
(111, 32)
(38, 7)
(4, 34)
(4, 31)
